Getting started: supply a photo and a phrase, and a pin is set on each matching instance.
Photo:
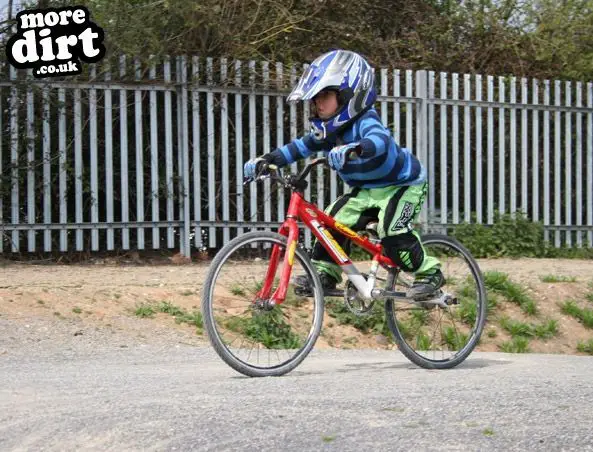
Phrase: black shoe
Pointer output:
(303, 285)
(425, 285)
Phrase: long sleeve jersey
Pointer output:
(381, 163)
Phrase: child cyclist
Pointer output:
(386, 180)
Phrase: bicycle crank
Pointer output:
(443, 301)
(355, 303)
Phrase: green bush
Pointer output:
(510, 236)
(506, 237)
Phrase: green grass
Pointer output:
(168, 308)
(181, 315)
(423, 341)
(328, 439)
(529, 308)
(267, 328)
(236, 324)
(496, 281)
(589, 297)
(516, 345)
(454, 338)
(488, 432)
(467, 310)
(585, 315)
(270, 329)
(515, 327)
(194, 318)
(406, 329)
(492, 333)
(545, 330)
(144, 311)
(420, 316)
(586, 347)
(557, 279)
(373, 322)
(500, 283)
(238, 291)
(76, 310)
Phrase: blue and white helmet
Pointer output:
(350, 75)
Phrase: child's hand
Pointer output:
(337, 156)
(252, 168)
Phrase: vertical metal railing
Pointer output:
(138, 155)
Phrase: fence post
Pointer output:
(422, 131)
(184, 245)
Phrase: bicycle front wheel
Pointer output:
(441, 336)
(251, 335)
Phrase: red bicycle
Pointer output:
(260, 326)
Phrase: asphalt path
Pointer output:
(182, 397)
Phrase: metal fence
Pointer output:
(138, 156)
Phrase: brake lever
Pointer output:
(261, 175)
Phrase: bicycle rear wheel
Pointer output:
(441, 337)
(253, 337)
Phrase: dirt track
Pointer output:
(104, 296)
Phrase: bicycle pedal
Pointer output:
(428, 296)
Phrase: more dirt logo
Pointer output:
(53, 41)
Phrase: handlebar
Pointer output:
(294, 181)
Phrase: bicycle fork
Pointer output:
(290, 230)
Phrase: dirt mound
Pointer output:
(112, 295)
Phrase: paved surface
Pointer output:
(181, 397)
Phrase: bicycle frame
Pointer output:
(319, 223)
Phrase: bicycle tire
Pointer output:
(208, 315)
(481, 313)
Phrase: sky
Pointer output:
(4, 8)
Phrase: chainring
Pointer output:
(354, 302)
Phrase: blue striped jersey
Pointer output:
(381, 163)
